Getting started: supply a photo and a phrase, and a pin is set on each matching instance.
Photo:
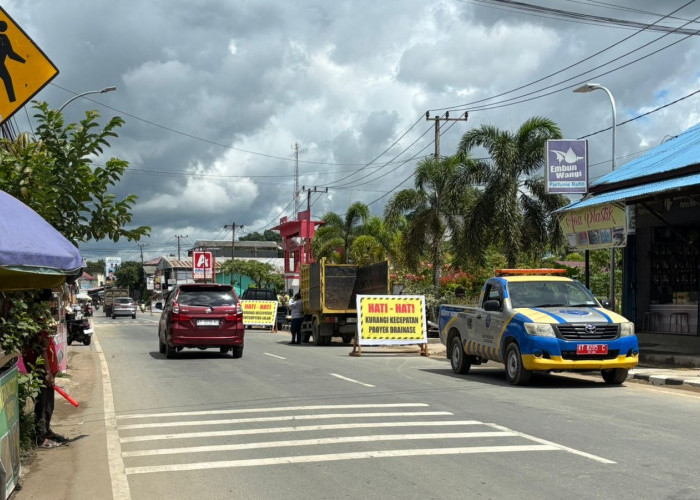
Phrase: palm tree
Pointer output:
(514, 211)
(431, 209)
(338, 233)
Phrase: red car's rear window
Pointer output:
(207, 296)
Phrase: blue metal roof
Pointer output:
(636, 191)
(681, 151)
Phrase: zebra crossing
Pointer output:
(278, 436)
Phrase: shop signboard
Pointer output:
(566, 163)
(9, 427)
(598, 226)
(202, 265)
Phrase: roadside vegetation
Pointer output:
(59, 171)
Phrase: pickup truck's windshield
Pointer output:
(550, 294)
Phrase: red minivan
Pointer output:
(201, 315)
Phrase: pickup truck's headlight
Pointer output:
(540, 329)
(626, 329)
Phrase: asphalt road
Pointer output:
(289, 421)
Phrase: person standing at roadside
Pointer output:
(295, 306)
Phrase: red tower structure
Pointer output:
(296, 242)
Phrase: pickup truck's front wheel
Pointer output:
(459, 361)
(515, 371)
(614, 376)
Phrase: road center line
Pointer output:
(550, 443)
(303, 428)
(351, 380)
(282, 418)
(273, 355)
(228, 464)
(275, 409)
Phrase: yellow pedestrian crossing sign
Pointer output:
(24, 68)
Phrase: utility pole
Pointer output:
(437, 120)
(143, 271)
(178, 236)
(308, 221)
(296, 179)
(233, 227)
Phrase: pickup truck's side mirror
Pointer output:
(605, 303)
(492, 305)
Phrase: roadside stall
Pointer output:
(33, 255)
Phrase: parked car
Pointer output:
(201, 316)
(123, 306)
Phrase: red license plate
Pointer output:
(591, 349)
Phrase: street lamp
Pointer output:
(106, 89)
(590, 87)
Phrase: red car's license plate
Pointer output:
(207, 322)
(591, 349)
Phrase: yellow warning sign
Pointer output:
(387, 319)
(259, 312)
(24, 68)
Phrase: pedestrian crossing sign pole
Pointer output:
(24, 68)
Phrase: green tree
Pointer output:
(514, 211)
(333, 239)
(264, 275)
(431, 211)
(267, 235)
(365, 250)
(55, 174)
(130, 274)
(95, 267)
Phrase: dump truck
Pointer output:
(110, 294)
(329, 294)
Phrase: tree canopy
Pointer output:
(55, 173)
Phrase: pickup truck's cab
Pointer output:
(533, 320)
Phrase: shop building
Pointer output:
(660, 194)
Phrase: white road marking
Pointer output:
(550, 443)
(120, 485)
(351, 380)
(314, 442)
(274, 409)
(228, 464)
(305, 428)
(188, 423)
(273, 355)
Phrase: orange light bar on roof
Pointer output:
(513, 272)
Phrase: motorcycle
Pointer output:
(87, 309)
(79, 328)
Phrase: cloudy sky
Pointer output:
(215, 93)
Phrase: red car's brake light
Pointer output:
(181, 318)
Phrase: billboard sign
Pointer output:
(202, 265)
(111, 266)
(599, 226)
(566, 163)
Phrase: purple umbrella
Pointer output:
(32, 253)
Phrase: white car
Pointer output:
(124, 306)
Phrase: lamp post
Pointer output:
(590, 87)
(104, 90)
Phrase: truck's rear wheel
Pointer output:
(515, 371)
(614, 376)
(459, 361)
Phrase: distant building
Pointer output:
(243, 249)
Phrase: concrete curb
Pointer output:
(665, 377)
